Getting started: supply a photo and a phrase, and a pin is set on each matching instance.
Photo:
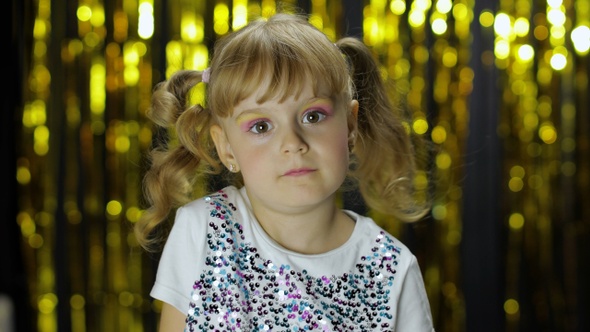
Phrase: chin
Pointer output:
(304, 196)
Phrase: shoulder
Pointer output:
(198, 215)
(381, 241)
(229, 193)
(228, 196)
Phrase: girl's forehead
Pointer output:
(259, 98)
(304, 86)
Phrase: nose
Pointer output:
(294, 142)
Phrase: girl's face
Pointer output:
(293, 154)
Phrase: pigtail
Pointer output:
(174, 164)
(385, 164)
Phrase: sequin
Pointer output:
(243, 291)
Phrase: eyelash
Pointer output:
(253, 128)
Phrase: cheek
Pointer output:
(345, 152)
(344, 136)
(340, 146)
(251, 158)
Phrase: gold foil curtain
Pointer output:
(425, 49)
(88, 82)
(541, 51)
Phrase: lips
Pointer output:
(299, 171)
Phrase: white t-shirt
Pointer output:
(222, 269)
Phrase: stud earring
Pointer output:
(232, 168)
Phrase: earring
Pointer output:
(232, 168)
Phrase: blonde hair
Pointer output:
(293, 53)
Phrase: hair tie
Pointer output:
(205, 75)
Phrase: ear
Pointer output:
(353, 120)
(224, 150)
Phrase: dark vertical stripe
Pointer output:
(353, 18)
(481, 249)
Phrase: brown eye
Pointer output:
(313, 117)
(260, 127)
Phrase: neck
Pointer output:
(314, 231)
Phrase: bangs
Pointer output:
(279, 58)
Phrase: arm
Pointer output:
(178, 269)
(413, 308)
(171, 320)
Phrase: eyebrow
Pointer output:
(249, 113)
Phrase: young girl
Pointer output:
(291, 116)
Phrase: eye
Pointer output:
(261, 127)
(313, 117)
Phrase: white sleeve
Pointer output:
(413, 309)
(181, 258)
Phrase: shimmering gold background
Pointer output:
(499, 87)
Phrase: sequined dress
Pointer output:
(227, 274)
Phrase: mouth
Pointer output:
(299, 171)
